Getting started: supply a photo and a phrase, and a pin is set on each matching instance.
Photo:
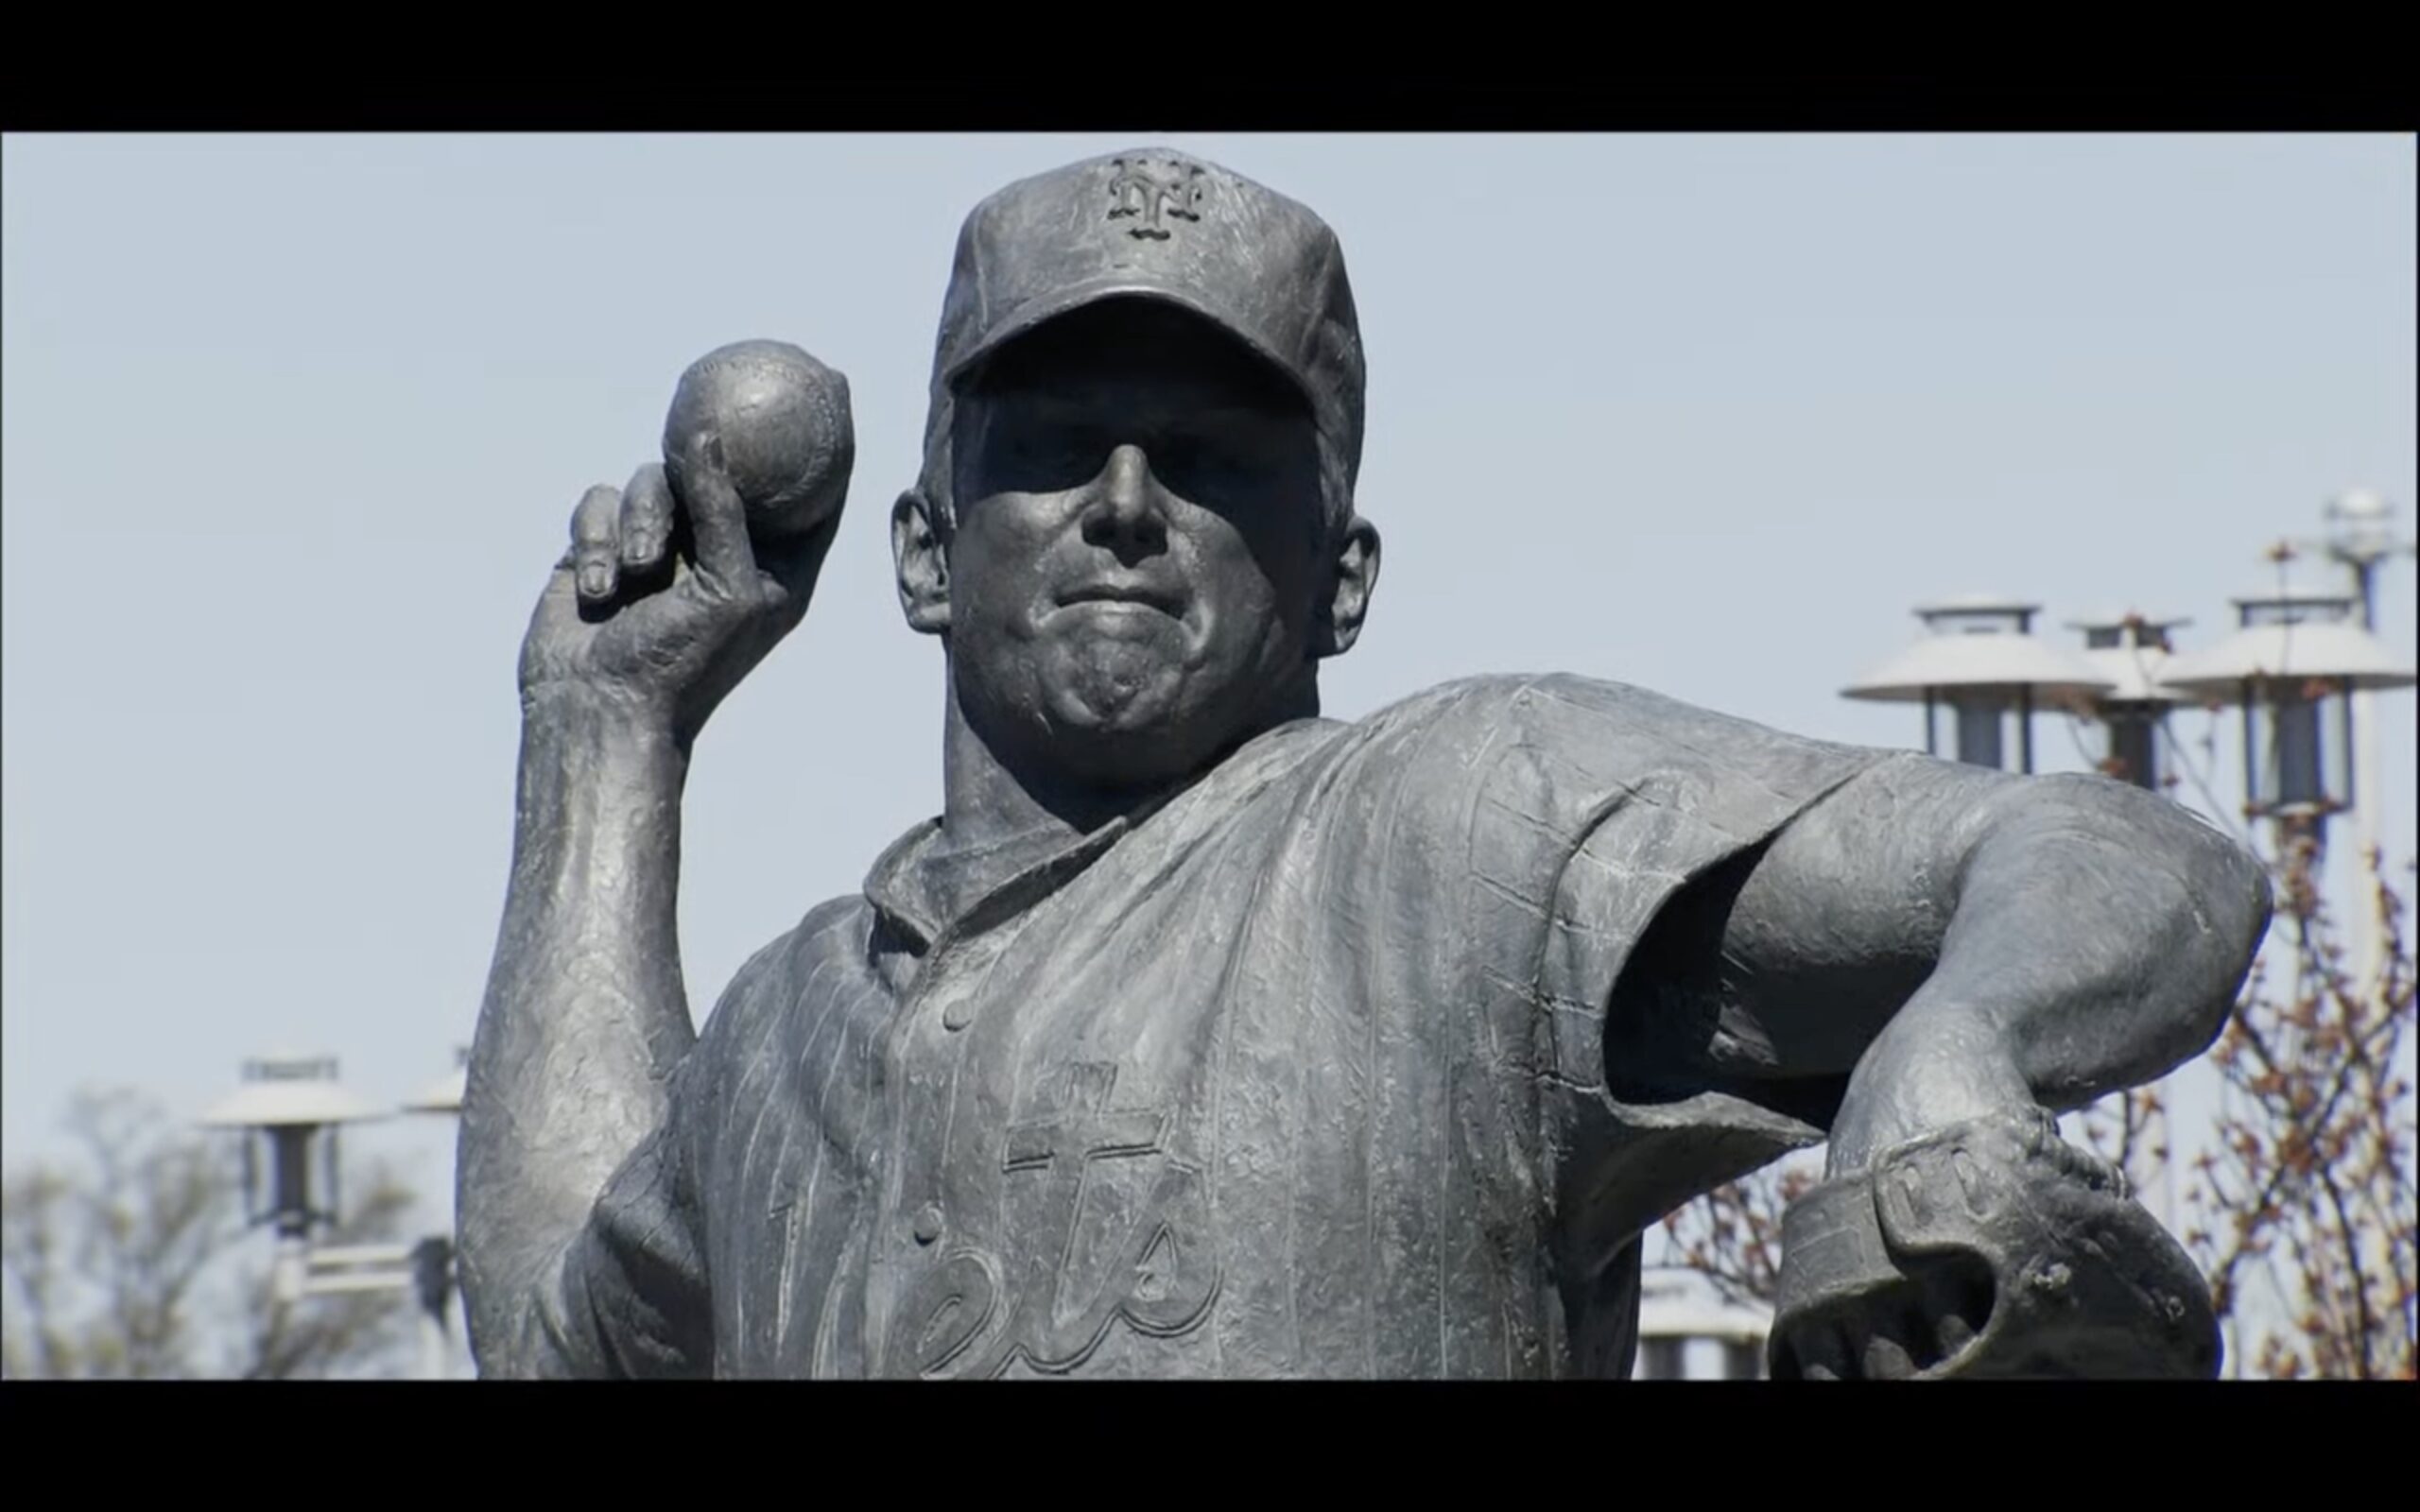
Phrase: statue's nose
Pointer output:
(1125, 513)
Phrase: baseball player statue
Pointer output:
(1202, 1035)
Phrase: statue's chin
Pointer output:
(1118, 715)
(1117, 690)
(1114, 700)
(1114, 730)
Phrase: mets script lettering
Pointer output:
(980, 1312)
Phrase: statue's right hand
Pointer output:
(662, 603)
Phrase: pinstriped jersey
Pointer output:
(1301, 1073)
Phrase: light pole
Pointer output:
(1981, 660)
(433, 1257)
(2297, 658)
(2130, 650)
(290, 1106)
(2291, 666)
(2361, 536)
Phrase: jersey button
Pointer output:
(929, 1223)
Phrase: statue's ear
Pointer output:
(1356, 576)
(921, 559)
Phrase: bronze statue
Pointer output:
(1201, 1035)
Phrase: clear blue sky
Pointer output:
(292, 428)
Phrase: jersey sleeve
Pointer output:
(631, 1296)
(1575, 812)
(631, 1299)
(1696, 791)
(1639, 796)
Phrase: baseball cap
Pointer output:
(1163, 226)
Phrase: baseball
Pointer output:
(788, 440)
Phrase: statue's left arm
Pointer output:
(1936, 957)
(1964, 942)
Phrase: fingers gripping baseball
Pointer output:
(648, 516)
(594, 529)
(717, 516)
(676, 586)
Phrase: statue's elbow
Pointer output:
(2232, 902)
(2256, 900)
(2218, 902)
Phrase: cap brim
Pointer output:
(1037, 313)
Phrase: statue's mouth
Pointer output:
(1135, 594)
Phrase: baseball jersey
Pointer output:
(1301, 1072)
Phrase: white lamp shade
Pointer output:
(443, 1095)
(2335, 652)
(2132, 651)
(1942, 663)
(2135, 673)
(286, 1090)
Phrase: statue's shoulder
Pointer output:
(1623, 732)
(1510, 695)
(1543, 701)
(779, 974)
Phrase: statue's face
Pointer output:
(1140, 568)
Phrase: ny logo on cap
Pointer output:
(1145, 191)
